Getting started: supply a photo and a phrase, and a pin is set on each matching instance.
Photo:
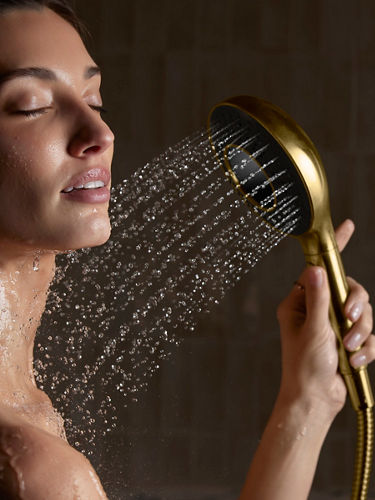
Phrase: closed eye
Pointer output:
(99, 109)
(31, 113)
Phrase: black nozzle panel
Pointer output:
(260, 169)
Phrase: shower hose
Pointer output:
(364, 452)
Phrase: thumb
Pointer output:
(317, 297)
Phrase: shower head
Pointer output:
(276, 169)
(272, 163)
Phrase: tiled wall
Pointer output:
(165, 63)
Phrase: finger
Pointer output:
(343, 233)
(365, 355)
(356, 301)
(314, 279)
(361, 330)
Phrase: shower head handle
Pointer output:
(356, 379)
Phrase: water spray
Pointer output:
(277, 170)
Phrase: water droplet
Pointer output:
(36, 263)
(181, 239)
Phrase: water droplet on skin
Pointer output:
(36, 262)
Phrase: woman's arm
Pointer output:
(311, 392)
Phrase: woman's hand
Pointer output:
(312, 391)
(309, 353)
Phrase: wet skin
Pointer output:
(52, 139)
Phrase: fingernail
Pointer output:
(353, 341)
(355, 311)
(358, 360)
(317, 277)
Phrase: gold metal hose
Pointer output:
(364, 452)
(300, 160)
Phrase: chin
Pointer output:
(93, 233)
(96, 233)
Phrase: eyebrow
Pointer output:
(42, 73)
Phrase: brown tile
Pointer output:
(241, 387)
(180, 87)
(366, 30)
(182, 24)
(305, 103)
(118, 26)
(246, 26)
(305, 26)
(366, 97)
(208, 375)
(207, 455)
(338, 27)
(176, 391)
(274, 24)
(176, 454)
(150, 25)
(336, 105)
(148, 106)
(212, 30)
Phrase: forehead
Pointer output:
(40, 38)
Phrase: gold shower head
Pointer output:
(276, 168)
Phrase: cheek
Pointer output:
(26, 191)
(27, 165)
(17, 177)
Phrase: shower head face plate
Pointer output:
(260, 169)
(249, 177)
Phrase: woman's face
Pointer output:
(52, 137)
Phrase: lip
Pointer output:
(94, 174)
(97, 195)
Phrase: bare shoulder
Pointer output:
(36, 465)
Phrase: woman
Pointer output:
(55, 159)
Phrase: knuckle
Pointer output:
(369, 348)
(370, 320)
(365, 295)
(351, 282)
(358, 290)
(366, 318)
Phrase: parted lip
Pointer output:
(93, 174)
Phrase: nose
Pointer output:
(91, 135)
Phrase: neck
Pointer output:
(24, 285)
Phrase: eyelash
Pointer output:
(99, 109)
(36, 112)
(31, 113)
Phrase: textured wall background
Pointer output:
(165, 63)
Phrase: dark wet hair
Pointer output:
(61, 7)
